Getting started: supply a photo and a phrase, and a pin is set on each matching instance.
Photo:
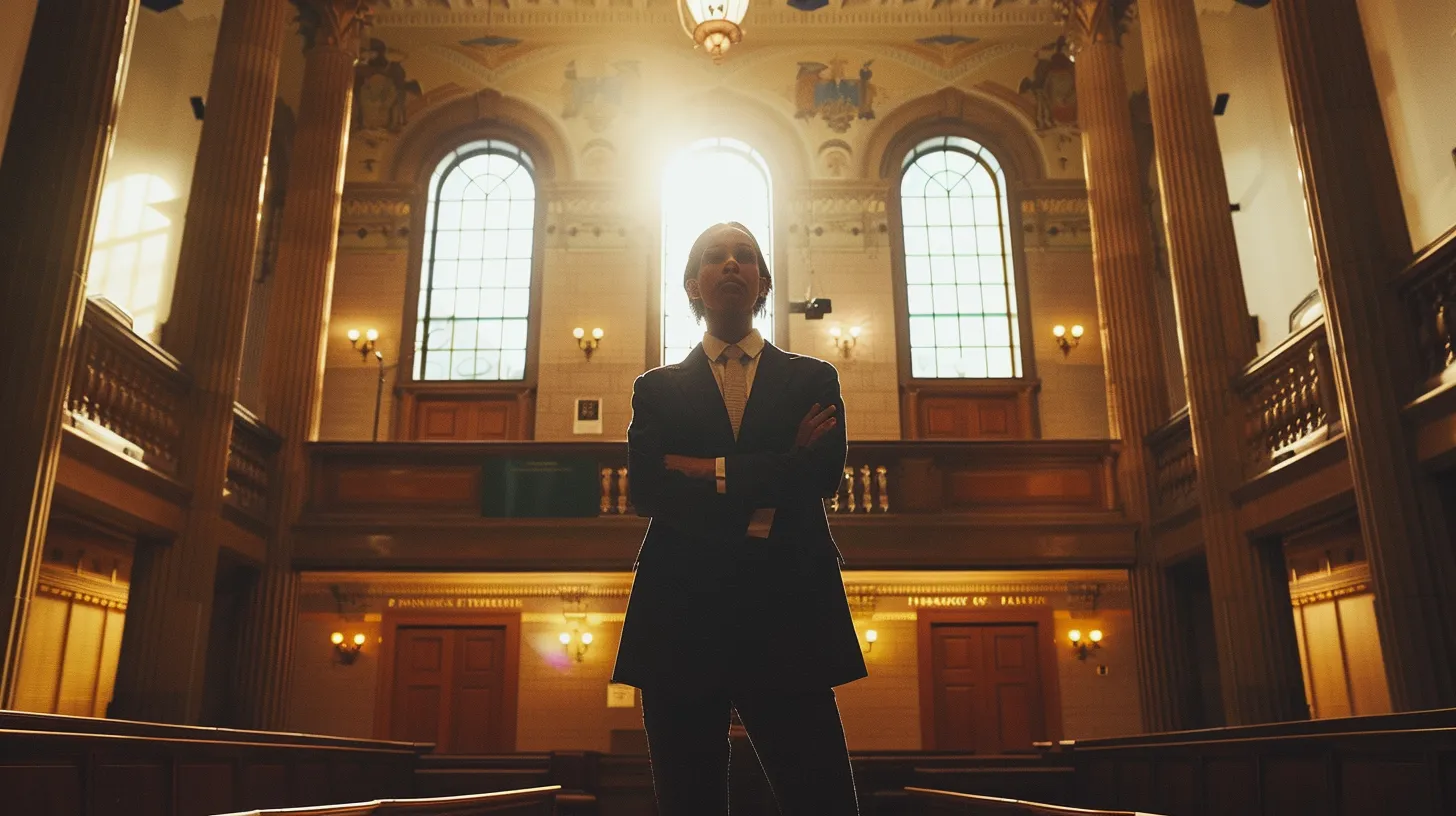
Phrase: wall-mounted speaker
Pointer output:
(161, 5)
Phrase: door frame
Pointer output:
(1040, 617)
(389, 627)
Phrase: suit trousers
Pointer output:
(797, 736)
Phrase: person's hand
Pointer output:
(692, 466)
(815, 424)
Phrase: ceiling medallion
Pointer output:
(716, 24)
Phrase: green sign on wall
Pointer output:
(564, 487)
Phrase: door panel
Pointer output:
(449, 688)
(987, 681)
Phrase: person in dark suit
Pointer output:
(737, 602)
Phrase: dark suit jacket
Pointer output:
(710, 607)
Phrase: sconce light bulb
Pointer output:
(598, 334)
(564, 637)
(336, 638)
(359, 639)
(578, 332)
(1059, 330)
(371, 335)
(1095, 635)
(353, 335)
(871, 635)
(834, 331)
(586, 638)
(1077, 331)
(1075, 636)
(854, 332)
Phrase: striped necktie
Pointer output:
(735, 385)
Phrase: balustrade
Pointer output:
(1175, 469)
(1429, 293)
(250, 464)
(129, 388)
(1289, 400)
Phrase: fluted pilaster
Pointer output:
(1258, 656)
(1122, 257)
(293, 356)
(1361, 241)
(50, 178)
(161, 669)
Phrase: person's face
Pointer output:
(728, 279)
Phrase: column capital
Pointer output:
(332, 23)
(1096, 21)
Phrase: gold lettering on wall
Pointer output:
(454, 603)
(975, 601)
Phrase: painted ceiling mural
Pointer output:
(622, 82)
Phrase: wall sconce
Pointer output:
(348, 651)
(872, 636)
(364, 344)
(1083, 648)
(583, 642)
(844, 344)
(1066, 345)
(588, 346)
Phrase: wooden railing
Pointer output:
(129, 388)
(250, 464)
(1289, 399)
(948, 803)
(529, 802)
(1429, 293)
(879, 477)
(128, 395)
(1175, 469)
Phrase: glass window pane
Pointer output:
(953, 211)
(485, 205)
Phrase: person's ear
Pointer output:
(694, 293)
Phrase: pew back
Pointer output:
(528, 802)
(949, 803)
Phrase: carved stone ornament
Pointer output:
(1096, 20)
(332, 23)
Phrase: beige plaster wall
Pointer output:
(1261, 165)
(562, 703)
(1410, 45)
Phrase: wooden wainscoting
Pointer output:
(997, 409)
(988, 680)
(450, 679)
(450, 413)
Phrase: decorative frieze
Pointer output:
(1059, 221)
(588, 218)
(82, 588)
(835, 218)
(375, 218)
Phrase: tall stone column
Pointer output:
(1258, 656)
(161, 669)
(1361, 242)
(1122, 258)
(298, 324)
(50, 179)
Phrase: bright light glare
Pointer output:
(130, 248)
(712, 181)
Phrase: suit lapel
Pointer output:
(768, 388)
(702, 397)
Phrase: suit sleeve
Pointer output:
(781, 479)
(690, 505)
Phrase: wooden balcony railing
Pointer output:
(250, 464)
(1429, 293)
(131, 396)
(1176, 471)
(1058, 476)
(1289, 400)
(129, 388)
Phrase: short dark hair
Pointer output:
(695, 263)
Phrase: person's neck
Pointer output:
(730, 328)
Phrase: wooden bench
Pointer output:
(949, 803)
(528, 802)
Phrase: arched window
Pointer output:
(960, 287)
(475, 283)
(713, 180)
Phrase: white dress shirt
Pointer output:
(752, 346)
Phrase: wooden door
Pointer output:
(449, 689)
(987, 687)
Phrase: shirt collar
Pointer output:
(752, 345)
